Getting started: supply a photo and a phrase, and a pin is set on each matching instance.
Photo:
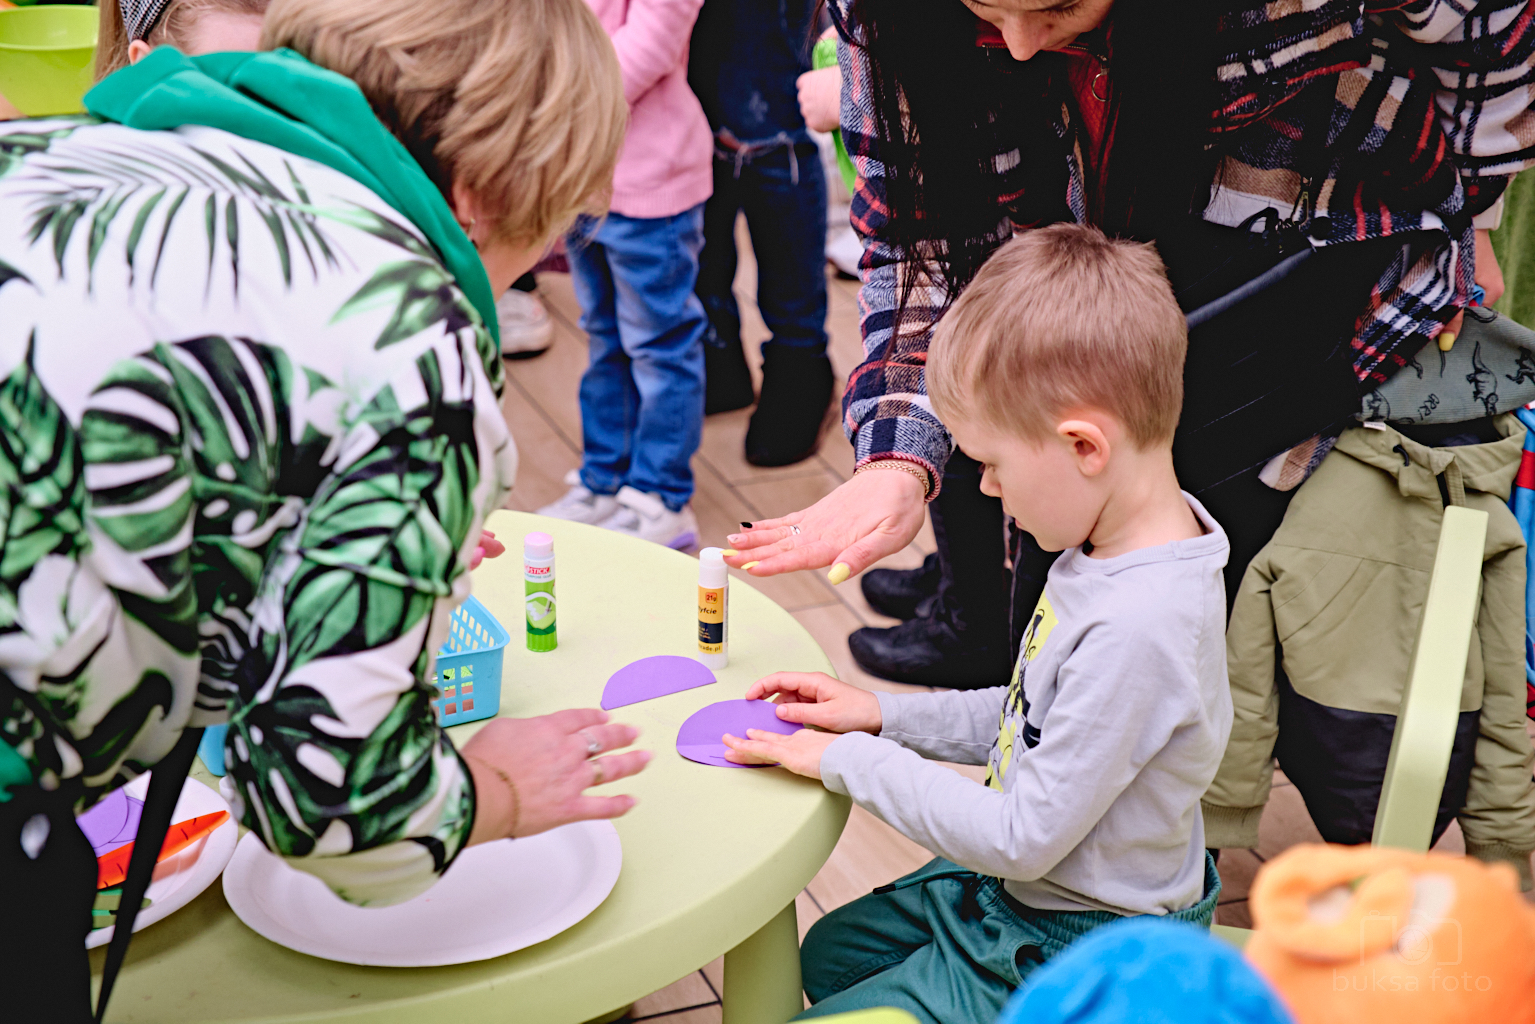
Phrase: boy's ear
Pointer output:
(1089, 445)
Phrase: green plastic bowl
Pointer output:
(46, 57)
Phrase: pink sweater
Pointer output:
(665, 167)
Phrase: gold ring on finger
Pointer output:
(598, 773)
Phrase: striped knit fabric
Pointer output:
(1440, 91)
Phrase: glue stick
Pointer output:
(713, 609)
(538, 590)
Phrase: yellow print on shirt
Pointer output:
(1013, 726)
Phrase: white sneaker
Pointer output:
(580, 505)
(843, 251)
(526, 330)
(646, 516)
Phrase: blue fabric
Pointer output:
(743, 63)
(785, 205)
(946, 945)
(642, 396)
(1521, 501)
(1149, 971)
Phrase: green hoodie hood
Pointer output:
(283, 100)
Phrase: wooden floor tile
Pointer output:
(689, 991)
(1237, 868)
(1234, 915)
(869, 854)
(1285, 823)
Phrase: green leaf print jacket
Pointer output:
(249, 429)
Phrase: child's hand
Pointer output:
(815, 698)
(800, 752)
(820, 98)
(488, 547)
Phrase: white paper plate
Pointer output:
(180, 879)
(496, 898)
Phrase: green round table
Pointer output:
(713, 857)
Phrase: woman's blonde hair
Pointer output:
(520, 101)
(170, 29)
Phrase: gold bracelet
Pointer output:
(511, 787)
(905, 466)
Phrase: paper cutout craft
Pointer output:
(699, 738)
(654, 677)
(112, 869)
(112, 822)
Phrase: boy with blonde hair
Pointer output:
(1060, 370)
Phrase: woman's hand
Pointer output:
(815, 698)
(1488, 274)
(551, 765)
(488, 547)
(800, 753)
(875, 514)
(820, 98)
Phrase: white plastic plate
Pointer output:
(496, 898)
(180, 879)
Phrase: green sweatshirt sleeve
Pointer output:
(1234, 802)
(1498, 819)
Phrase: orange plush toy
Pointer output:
(1350, 934)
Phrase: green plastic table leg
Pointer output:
(762, 982)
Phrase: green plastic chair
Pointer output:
(1425, 726)
(882, 1015)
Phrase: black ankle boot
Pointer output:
(727, 379)
(929, 652)
(797, 386)
(898, 592)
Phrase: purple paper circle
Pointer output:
(700, 740)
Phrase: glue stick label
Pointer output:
(712, 607)
(538, 599)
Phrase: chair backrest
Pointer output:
(1425, 725)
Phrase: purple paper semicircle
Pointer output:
(112, 822)
(653, 677)
(700, 740)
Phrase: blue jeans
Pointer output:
(642, 396)
(785, 204)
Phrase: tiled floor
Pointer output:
(542, 409)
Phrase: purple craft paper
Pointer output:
(111, 823)
(699, 739)
(653, 677)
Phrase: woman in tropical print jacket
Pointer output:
(250, 428)
(1432, 96)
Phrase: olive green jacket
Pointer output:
(1337, 596)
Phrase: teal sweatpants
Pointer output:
(945, 945)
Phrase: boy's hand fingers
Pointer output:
(808, 714)
(743, 751)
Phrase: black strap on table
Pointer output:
(165, 784)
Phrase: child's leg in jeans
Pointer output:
(934, 947)
(786, 213)
(609, 401)
(653, 263)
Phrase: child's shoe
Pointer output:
(646, 516)
(526, 330)
(580, 505)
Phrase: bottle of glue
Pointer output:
(538, 590)
(713, 609)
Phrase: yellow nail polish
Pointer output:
(839, 573)
(1446, 340)
(730, 552)
(749, 565)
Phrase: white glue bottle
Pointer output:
(713, 609)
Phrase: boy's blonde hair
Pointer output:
(518, 100)
(1063, 318)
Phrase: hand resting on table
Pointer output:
(809, 698)
(550, 766)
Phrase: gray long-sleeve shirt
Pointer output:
(1098, 751)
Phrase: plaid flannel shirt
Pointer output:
(1437, 91)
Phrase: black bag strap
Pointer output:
(165, 785)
